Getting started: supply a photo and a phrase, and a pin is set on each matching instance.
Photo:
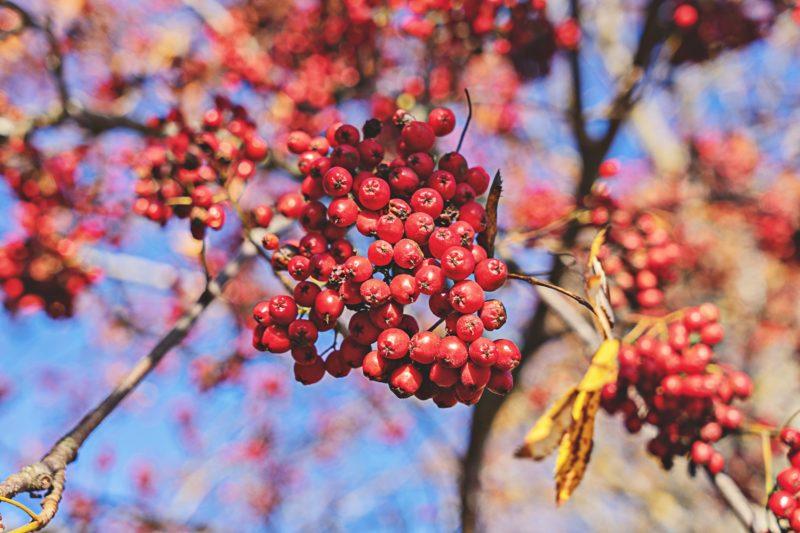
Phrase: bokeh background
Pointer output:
(221, 438)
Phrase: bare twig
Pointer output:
(49, 474)
(466, 124)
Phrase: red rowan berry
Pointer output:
(457, 263)
(469, 328)
(475, 376)
(376, 367)
(466, 297)
(501, 381)
(380, 253)
(442, 121)
(483, 352)
(424, 347)
(491, 274)
(282, 309)
(493, 315)
(309, 374)
(374, 193)
(782, 504)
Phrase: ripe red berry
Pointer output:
(789, 480)
(346, 134)
(376, 367)
(261, 313)
(475, 376)
(405, 380)
(418, 136)
(478, 179)
(216, 217)
(404, 289)
(455, 164)
(711, 432)
(388, 315)
(457, 263)
(468, 328)
(685, 15)
(790, 437)
(782, 503)
(374, 193)
(393, 343)
(403, 181)
(408, 254)
(299, 267)
(335, 365)
(452, 352)
(337, 182)
(444, 376)
(310, 373)
(716, 463)
(390, 228)
(475, 214)
(466, 297)
(441, 240)
(508, 355)
(375, 292)
(302, 332)
(427, 200)
(430, 279)
(298, 142)
(491, 274)
(701, 452)
(483, 352)
(442, 121)
(359, 268)
(276, 339)
(493, 315)
(419, 226)
(305, 293)
(501, 382)
(255, 148)
(343, 212)
(712, 333)
(304, 355)
(380, 253)
(423, 347)
(328, 303)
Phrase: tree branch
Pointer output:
(49, 474)
(591, 154)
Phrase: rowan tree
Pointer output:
(377, 255)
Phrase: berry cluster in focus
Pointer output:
(420, 217)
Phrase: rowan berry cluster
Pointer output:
(185, 173)
(708, 28)
(42, 272)
(784, 502)
(640, 256)
(36, 178)
(520, 30)
(422, 218)
(675, 385)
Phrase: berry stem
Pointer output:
(466, 124)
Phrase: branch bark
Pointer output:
(49, 474)
(592, 152)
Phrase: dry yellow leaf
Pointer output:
(569, 423)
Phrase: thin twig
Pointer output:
(49, 474)
(466, 124)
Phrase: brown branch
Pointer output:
(49, 474)
(592, 153)
(91, 121)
